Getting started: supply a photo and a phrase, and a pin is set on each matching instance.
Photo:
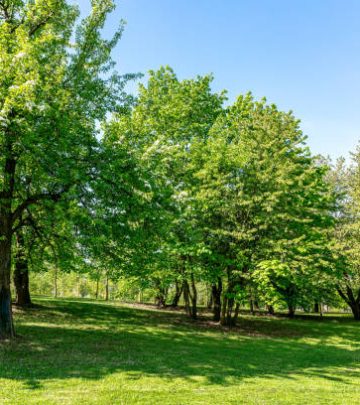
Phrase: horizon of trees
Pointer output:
(170, 190)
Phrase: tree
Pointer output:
(346, 183)
(262, 197)
(52, 94)
(170, 119)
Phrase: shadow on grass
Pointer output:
(84, 340)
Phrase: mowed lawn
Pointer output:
(81, 352)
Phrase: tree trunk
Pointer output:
(193, 296)
(216, 296)
(236, 313)
(21, 275)
(107, 288)
(178, 292)
(190, 297)
(355, 309)
(316, 307)
(6, 232)
(270, 309)
(251, 304)
(6, 319)
(228, 306)
(97, 289)
(291, 311)
(55, 283)
(160, 299)
(354, 303)
(186, 292)
(210, 299)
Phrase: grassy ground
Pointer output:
(78, 352)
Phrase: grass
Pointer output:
(80, 352)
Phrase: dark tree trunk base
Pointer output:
(6, 320)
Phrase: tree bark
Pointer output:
(6, 319)
(316, 307)
(178, 292)
(216, 296)
(6, 231)
(190, 297)
(354, 303)
(186, 292)
(193, 296)
(227, 312)
(21, 274)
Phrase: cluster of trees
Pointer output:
(172, 188)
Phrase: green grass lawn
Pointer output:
(80, 352)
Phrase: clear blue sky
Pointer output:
(303, 55)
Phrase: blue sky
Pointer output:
(303, 55)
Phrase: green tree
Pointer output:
(53, 91)
(263, 198)
(346, 182)
(170, 119)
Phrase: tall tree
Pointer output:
(170, 119)
(53, 91)
(346, 182)
(261, 194)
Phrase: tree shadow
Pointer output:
(90, 341)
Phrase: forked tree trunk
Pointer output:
(21, 275)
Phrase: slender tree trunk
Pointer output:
(178, 292)
(216, 295)
(224, 310)
(228, 314)
(251, 304)
(55, 282)
(21, 274)
(107, 288)
(236, 313)
(97, 289)
(316, 307)
(186, 292)
(193, 296)
(210, 299)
